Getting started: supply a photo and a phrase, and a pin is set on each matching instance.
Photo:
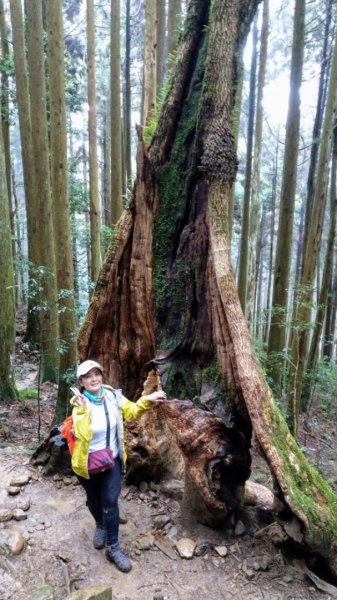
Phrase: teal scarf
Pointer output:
(95, 399)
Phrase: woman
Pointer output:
(98, 415)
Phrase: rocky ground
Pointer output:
(46, 532)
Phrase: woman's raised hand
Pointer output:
(157, 397)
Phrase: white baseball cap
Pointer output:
(86, 366)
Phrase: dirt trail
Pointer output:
(58, 531)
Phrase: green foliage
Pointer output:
(106, 236)
(78, 193)
(75, 76)
(152, 122)
(27, 393)
(323, 386)
(7, 65)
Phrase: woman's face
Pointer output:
(92, 381)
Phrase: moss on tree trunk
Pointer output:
(167, 283)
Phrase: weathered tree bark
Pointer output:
(167, 284)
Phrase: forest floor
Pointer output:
(58, 557)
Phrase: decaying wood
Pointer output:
(217, 461)
(152, 452)
(259, 495)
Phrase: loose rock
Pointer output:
(240, 528)
(143, 486)
(67, 480)
(20, 479)
(146, 542)
(185, 547)
(172, 533)
(160, 521)
(5, 514)
(13, 491)
(201, 549)
(23, 504)
(99, 592)
(19, 515)
(221, 550)
(12, 540)
(43, 592)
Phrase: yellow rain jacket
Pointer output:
(124, 410)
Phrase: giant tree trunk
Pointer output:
(167, 284)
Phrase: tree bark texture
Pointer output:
(5, 97)
(23, 101)
(277, 333)
(7, 303)
(255, 208)
(116, 132)
(150, 67)
(246, 212)
(167, 285)
(95, 221)
(46, 267)
(300, 336)
(61, 212)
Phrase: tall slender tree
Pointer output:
(7, 303)
(255, 209)
(242, 278)
(116, 131)
(31, 203)
(61, 213)
(127, 94)
(149, 70)
(95, 244)
(5, 96)
(173, 24)
(328, 262)
(302, 317)
(277, 334)
(46, 274)
(160, 47)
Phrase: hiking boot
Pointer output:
(115, 555)
(99, 537)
